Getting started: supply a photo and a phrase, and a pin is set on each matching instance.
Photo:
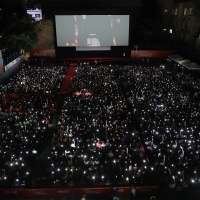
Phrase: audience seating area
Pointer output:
(118, 126)
(28, 104)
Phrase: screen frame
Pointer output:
(61, 29)
(93, 12)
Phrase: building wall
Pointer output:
(60, 5)
(164, 10)
(45, 33)
(134, 6)
(180, 20)
(187, 25)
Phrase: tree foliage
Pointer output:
(19, 34)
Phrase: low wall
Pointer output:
(63, 192)
(47, 54)
(151, 54)
(139, 54)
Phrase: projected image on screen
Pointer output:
(92, 30)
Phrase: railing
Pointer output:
(189, 53)
(11, 57)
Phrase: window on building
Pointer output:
(176, 11)
(191, 11)
(185, 11)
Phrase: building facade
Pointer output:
(177, 16)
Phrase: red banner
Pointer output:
(12, 192)
(139, 54)
(146, 189)
(63, 192)
(42, 53)
(60, 192)
(94, 191)
(38, 192)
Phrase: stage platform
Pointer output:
(93, 59)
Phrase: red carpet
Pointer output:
(68, 78)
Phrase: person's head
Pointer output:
(152, 198)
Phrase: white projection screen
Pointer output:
(92, 31)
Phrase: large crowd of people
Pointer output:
(96, 142)
(22, 138)
(34, 79)
(119, 125)
(167, 110)
(24, 121)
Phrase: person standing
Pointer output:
(133, 192)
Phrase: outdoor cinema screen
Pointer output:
(92, 30)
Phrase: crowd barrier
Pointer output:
(63, 192)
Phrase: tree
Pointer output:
(19, 34)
